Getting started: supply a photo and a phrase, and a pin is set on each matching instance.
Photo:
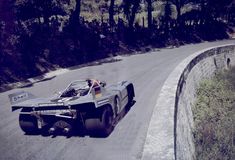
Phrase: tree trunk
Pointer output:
(111, 13)
(167, 18)
(133, 13)
(178, 9)
(75, 17)
(149, 13)
(203, 10)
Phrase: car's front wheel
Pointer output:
(131, 93)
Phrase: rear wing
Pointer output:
(20, 97)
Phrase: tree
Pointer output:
(167, 17)
(231, 13)
(213, 10)
(130, 9)
(75, 17)
(32, 9)
(150, 17)
(179, 4)
(217, 8)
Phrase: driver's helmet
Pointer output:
(91, 81)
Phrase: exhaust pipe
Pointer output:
(66, 130)
(52, 130)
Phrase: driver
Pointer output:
(69, 93)
(89, 81)
(94, 82)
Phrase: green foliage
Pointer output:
(40, 35)
(214, 117)
(31, 9)
(130, 9)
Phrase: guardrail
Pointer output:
(170, 131)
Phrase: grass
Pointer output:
(214, 115)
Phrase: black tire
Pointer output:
(28, 123)
(102, 126)
(131, 93)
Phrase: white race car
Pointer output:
(87, 103)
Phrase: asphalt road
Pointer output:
(148, 73)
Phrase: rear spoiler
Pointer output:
(18, 97)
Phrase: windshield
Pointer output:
(76, 88)
(78, 85)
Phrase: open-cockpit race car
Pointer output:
(87, 103)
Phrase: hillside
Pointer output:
(40, 37)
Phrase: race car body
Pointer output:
(88, 103)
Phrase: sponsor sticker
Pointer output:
(19, 97)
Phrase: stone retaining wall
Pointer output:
(201, 67)
(170, 131)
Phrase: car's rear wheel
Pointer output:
(28, 123)
(102, 126)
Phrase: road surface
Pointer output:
(148, 73)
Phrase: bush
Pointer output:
(213, 113)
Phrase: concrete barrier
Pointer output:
(169, 135)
